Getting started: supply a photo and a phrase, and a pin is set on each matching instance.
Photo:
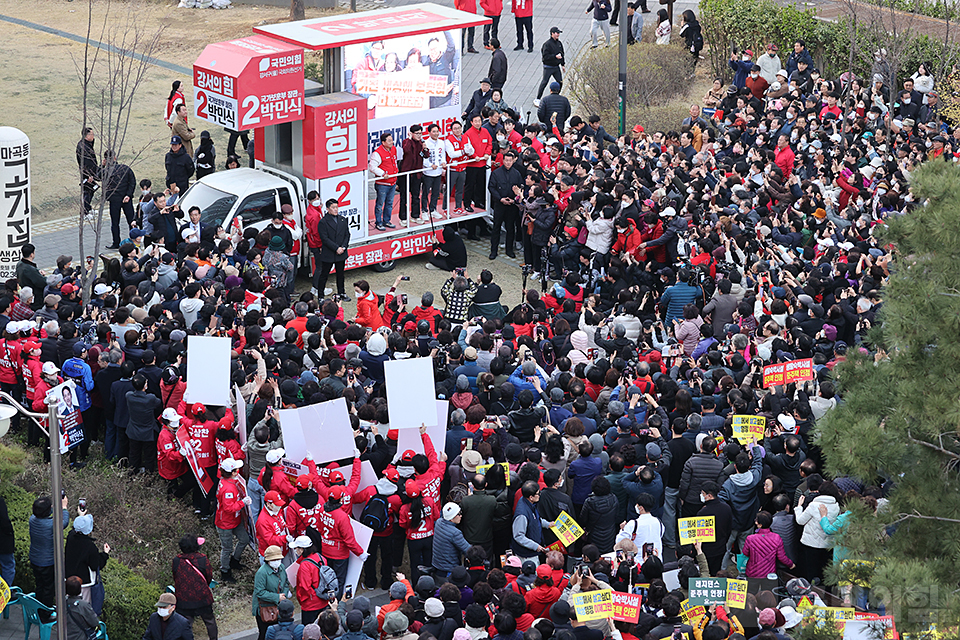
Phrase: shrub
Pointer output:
(128, 603)
(20, 507)
(655, 74)
(11, 462)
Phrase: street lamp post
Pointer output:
(7, 411)
(622, 76)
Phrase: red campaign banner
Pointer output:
(205, 481)
(371, 254)
(787, 372)
(334, 135)
(626, 607)
(354, 24)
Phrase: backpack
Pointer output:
(284, 632)
(327, 587)
(376, 513)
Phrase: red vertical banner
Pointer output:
(205, 481)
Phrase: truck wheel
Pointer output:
(386, 265)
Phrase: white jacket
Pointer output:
(600, 234)
(769, 65)
(809, 517)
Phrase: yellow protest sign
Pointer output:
(748, 428)
(482, 469)
(566, 529)
(839, 615)
(804, 604)
(593, 605)
(691, 614)
(4, 594)
(697, 529)
(736, 594)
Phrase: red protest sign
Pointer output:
(787, 372)
(626, 607)
(206, 482)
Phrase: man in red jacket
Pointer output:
(311, 220)
(170, 462)
(338, 539)
(271, 527)
(232, 501)
(480, 145)
(384, 165)
(491, 9)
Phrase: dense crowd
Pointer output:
(667, 269)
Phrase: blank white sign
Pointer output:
(322, 429)
(410, 438)
(208, 370)
(411, 392)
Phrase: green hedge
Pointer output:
(752, 25)
(129, 600)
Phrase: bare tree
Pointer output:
(297, 11)
(110, 76)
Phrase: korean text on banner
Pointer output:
(593, 605)
(697, 529)
(362, 533)
(626, 607)
(787, 372)
(689, 613)
(748, 428)
(566, 529)
(204, 480)
(410, 438)
(322, 429)
(241, 415)
(707, 591)
(4, 594)
(208, 371)
(736, 594)
(411, 393)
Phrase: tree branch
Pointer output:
(937, 448)
(918, 516)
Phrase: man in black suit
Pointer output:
(335, 234)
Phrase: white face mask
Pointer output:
(274, 564)
(316, 203)
(163, 611)
(145, 191)
(703, 497)
(754, 75)
(907, 101)
(501, 137)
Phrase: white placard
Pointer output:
(410, 438)
(208, 371)
(368, 478)
(16, 198)
(322, 429)
(671, 579)
(362, 533)
(411, 392)
(241, 415)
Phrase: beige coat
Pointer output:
(187, 134)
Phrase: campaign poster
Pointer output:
(566, 529)
(787, 372)
(69, 419)
(748, 429)
(404, 78)
(707, 591)
(697, 529)
(593, 605)
(626, 607)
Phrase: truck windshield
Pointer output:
(214, 204)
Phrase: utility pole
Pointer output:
(53, 428)
(622, 77)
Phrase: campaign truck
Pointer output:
(384, 71)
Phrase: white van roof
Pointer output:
(243, 180)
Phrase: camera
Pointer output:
(526, 269)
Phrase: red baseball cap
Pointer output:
(337, 493)
(410, 325)
(412, 488)
(638, 128)
(303, 482)
(544, 571)
(392, 434)
(198, 408)
(30, 345)
(336, 477)
(67, 289)
(274, 497)
(408, 455)
(391, 474)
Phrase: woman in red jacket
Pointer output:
(338, 538)
(308, 578)
(227, 442)
(170, 462)
(273, 478)
(543, 594)
(368, 306)
(417, 516)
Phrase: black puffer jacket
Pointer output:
(698, 469)
(600, 518)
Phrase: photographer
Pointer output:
(458, 292)
(539, 219)
(450, 253)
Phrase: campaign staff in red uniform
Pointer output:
(416, 518)
(308, 579)
(271, 525)
(338, 538)
(170, 461)
(232, 500)
(384, 490)
(453, 144)
(273, 478)
(384, 164)
(30, 368)
(303, 512)
(523, 15)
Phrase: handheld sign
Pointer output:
(566, 529)
(626, 607)
(786, 372)
(593, 605)
(747, 429)
(697, 529)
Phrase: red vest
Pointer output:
(523, 8)
(457, 144)
(388, 162)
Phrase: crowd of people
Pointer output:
(667, 269)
